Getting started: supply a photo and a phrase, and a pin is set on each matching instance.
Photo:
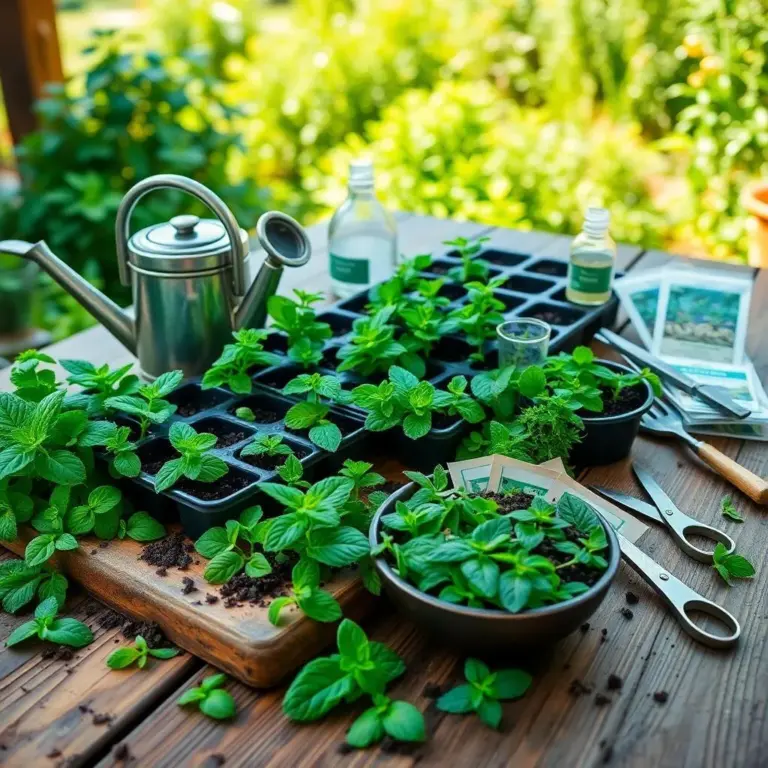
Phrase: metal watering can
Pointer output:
(188, 276)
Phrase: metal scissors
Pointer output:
(663, 510)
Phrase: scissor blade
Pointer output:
(630, 502)
(652, 488)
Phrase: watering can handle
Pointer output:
(205, 196)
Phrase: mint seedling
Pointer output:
(267, 445)
(19, 583)
(399, 720)
(196, 463)
(372, 347)
(307, 595)
(46, 626)
(233, 366)
(484, 690)
(124, 461)
(82, 518)
(296, 318)
(245, 413)
(471, 268)
(210, 698)
(99, 384)
(727, 509)
(16, 506)
(140, 527)
(222, 546)
(479, 318)
(32, 384)
(321, 392)
(137, 654)
(148, 404)
(731, 566)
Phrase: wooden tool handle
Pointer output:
(754, 486)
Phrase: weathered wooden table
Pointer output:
(716, 713)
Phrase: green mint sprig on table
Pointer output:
(484, 691)
(210, 697)
(137, 654)
(306, 593)
(361, 667)
(232, 368)
(195, 462)
(20, 584)
(297, 319)
(727, 509)
(731, 566)
(46, 626)
(100, 383)
(471, 268)
(222, 546)
(312, 414)
(148, 404)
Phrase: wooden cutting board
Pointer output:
(239, 640)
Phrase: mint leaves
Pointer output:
(727, 509)
(297, 320)
(137, 654)
(321, 392)
(399, 720)
(210, 698)
(307, 595)
(20, 583)
(233, 366)
(731, 566)
(148, 404)
(483, 692)
(196, 463)
(47, 626)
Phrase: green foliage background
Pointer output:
(511, 112)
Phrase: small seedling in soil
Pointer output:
(148, 404)
(479, 318)
(361, 667)
(196, 463)
(245, 413)
(233, 366)
(471, 268)
(137, 654)
(731, 566)
(227, 557)
(296, 318)
(728, 510)
(100, 383)
(47, 626)
(124, 461)
(321, 392)
(82, 518)
(211, 699)
(271, 446)
(484, 691)
(307, 595)
(372, 347)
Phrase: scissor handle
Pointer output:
(681, 599)
(681, 526)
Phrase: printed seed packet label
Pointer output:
(639, 296)
(702, 316)
(621, 522)
(510, 475)
(473, 474)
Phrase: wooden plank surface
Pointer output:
(715, 714)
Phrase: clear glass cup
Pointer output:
(523, 342)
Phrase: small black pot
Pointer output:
(436, 447)
(485, 630)
(609, 438)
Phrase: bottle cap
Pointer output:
(596, 221)
(361, 172)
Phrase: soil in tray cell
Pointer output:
(356, 304)
(549, 267)
(523, 284)
(270, 463)
(278, 377)
(510, 302)
(443, 421)
(346, 426)
(232, 482)
(191, 400)
(264, 411)
(628, 400)
(438, 267)
(503, 258)
(277, 343)
(555, 315)
(452, 350)
(226, 432)
(340, 324)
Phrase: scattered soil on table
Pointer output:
(603, 635)
(171, 552)
(661, 697)
(217, 759)
(220, 489)
(62, 653)
(509, 502)
(189, 586)
(150, 631)
(242, 589)
(211, 599)
(607, 754)
(577, 688)
(629, 399)
(627, 614)
(584, 627)
(601, 700)
(111, 620)
(632, 598)
(260, 415)
(271, 463)
(432, 691)
(122, 753)
(102, 719)
(615, 683)
(53, 754)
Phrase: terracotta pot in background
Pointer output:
(754, 198)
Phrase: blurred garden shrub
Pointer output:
(131, 115)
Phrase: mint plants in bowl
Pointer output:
(491, 571)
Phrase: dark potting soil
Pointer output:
(61, 653)
(577, 572)
(627, 614)
(189, 585)
(244, 589)
(270, 463)
(432, 691)
(111, 620)
(226, 434)
(632, 598)
(628, 400)
(510, 502)
(220, 489)
(122, 753)
(661, 697)
(551, 316)
(614, 683)
(150, 631)
(195, 402)
(260, 415)
(171, 552)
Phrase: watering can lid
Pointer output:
(184, 244)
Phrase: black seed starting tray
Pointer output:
(534, 287)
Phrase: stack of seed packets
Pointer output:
(550, 480)
(696, 320)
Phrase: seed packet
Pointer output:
(473, 474)
(702, 315)
(639, 296)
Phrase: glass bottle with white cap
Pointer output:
(593, 261)
(362, 236)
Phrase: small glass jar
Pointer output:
(523, 342)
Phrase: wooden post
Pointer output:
(29, 58)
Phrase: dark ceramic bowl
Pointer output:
(609, 438)
(481, 630)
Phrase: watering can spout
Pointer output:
(115, 319)
(286, 244)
